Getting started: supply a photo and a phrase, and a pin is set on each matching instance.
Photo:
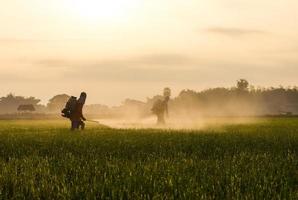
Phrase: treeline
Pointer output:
(240, 100)
(12, 104)
(237, 101)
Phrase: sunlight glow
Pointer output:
(102, 10)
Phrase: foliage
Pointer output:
(28, 107)
(238, 101)
(10, 103)
(58, 102)
(241, 100)
(43, 160)
(242, 85)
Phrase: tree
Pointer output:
(58, 102)
(26, 108)
(10, 103)
(242, 85)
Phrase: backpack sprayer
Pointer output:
(70, 107)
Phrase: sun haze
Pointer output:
(114, 49)
(101, 11)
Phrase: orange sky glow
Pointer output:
(117, 49)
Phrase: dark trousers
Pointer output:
(77, 125)
(161, 119)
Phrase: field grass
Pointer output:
(43, 160)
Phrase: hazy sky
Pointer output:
(115, 49)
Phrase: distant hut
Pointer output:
(26, 108)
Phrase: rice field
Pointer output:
(44, 160)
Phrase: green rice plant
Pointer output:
(44, 160)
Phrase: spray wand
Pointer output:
(87, 120)
(97, 122)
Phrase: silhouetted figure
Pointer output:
(76, 116)
(160, 107)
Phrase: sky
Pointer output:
(118, 49)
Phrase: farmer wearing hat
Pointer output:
(160, 107)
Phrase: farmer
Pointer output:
(76, 117)
(160, 107)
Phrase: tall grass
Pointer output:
(44, 160)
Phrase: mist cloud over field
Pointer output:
(188, 109)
